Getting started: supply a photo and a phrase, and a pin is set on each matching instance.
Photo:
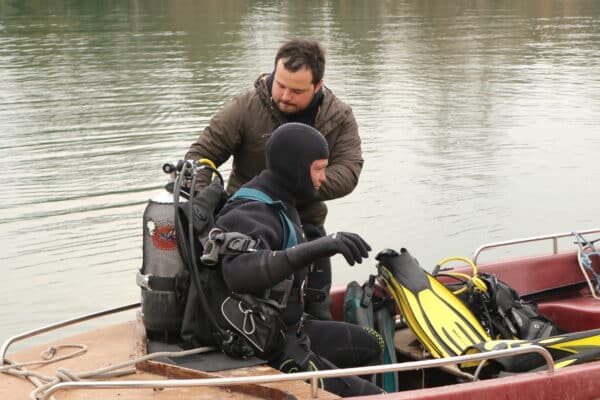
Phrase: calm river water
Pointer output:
(480, 122)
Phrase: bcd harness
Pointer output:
(240, 324)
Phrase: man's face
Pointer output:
(317, 172)
(293, 91)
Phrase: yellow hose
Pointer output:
(479, 284)
(208, 162)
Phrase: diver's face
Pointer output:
(293, 91)
(317, 172)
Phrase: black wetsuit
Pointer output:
(328, 344)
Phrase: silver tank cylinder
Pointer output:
(162, 312)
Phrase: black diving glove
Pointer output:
(350, 245)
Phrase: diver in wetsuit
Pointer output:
(297, 155)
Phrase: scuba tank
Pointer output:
(163, 278)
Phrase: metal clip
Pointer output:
(248, 319)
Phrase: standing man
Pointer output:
(293, 92)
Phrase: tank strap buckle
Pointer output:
(161, 283)
(142, 280)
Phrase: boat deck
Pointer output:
(125, 344)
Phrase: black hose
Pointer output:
(203, 301)
(190, 257)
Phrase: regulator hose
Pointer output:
(478, 283)
(189, 253)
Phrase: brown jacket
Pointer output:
(243, 126)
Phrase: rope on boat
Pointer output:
(43, 382)
(48, 356)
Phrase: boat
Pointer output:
(563, 287)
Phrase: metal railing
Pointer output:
(313, 376)
(554, 237)
(61, 324)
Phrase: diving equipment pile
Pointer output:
(446, 327)
(184, 297)
(498, 307)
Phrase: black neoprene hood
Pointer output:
(290, 151)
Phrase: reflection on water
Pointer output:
(479, 123)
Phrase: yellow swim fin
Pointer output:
(441, 322)
(567, 349)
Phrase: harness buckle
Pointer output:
(210, 255)
(242, 245)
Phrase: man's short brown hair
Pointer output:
(301, 53)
